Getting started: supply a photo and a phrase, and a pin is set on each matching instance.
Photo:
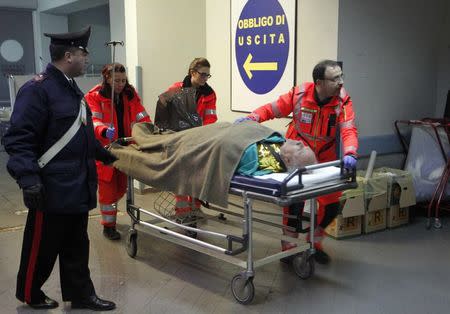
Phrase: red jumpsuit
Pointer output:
(206, 108)
(112, 184)
(316, 126)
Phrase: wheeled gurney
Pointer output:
(281, 189)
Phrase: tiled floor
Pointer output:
(404, 270)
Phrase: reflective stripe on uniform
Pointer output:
(275, 109)
(109, 214)
(349, 149)
(182, 204)
(141, 115)
(96, 124)
(98, 115)
(210, 112)
(108, 219)
(347, 124)
(107, 207)
(298, 108)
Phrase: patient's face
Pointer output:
(296, 155)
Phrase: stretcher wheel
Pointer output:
(304, 265)
(132, 243)
(242, 288)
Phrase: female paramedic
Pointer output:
(127, 110)
(197, 77)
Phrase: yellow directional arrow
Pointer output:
(258, 66)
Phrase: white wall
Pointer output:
(315, 41)
(170, 34)
(389, 50)
(443, 70)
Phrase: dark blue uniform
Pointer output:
(45, 109)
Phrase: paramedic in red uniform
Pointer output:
(128, 110)
(197, 76)
(321, 110)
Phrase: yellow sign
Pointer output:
(258, 66)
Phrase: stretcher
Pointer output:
(282, 189)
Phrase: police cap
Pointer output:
(74, 39)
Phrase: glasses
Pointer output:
(336, 79)
(204, 75)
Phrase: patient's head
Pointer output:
(296, 155)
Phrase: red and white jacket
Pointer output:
(315, 125)
(101, 115)
(206, 101)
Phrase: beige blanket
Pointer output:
(198, 162)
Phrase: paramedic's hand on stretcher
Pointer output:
(109, 134)
(349, 162)
(242, 119)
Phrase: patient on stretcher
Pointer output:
(201, 161)
(275, 154)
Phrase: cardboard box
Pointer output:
(375, 192)
(342, 227)
(400, 186)
(397, 216)
(374, 221)
(352, 201)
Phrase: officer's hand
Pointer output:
(109, 158)
(349, 162)
(110, 133)
(33, 196)
(242, 119)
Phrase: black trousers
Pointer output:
(47, 236)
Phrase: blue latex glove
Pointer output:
(349, 162)
(242, 119)
(110, 133)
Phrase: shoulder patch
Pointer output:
(39, 78)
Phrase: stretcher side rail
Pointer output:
(296, 197)
(286, 195)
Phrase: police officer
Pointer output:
(60, 194)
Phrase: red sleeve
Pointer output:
(349, 133)
(210, 114)
(142, 115)
(97, 114)
(282, 107)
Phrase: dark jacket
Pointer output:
(45, 109)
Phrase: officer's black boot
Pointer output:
(111, 233)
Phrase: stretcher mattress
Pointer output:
(271, 184)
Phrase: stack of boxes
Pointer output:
(401, 195)
(380, 202)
